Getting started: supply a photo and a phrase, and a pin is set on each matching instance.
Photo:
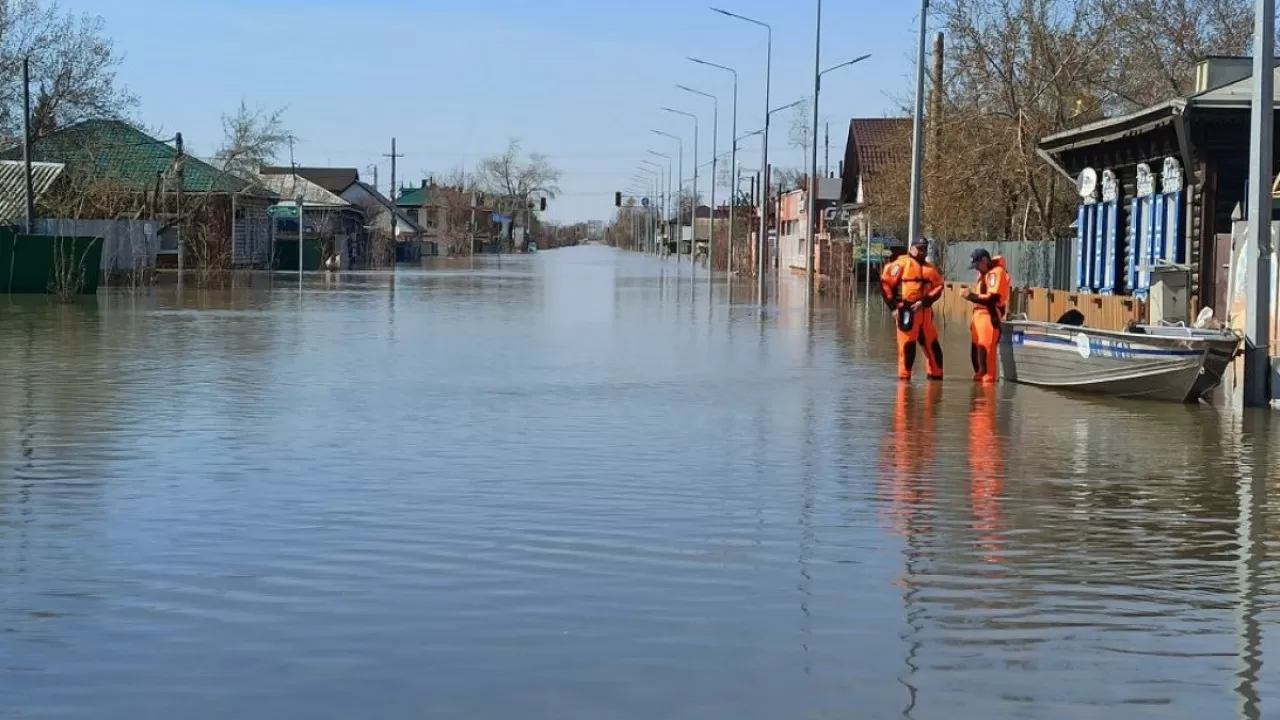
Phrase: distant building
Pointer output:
(113, 171)
(875, 146)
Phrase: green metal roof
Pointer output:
(412, 197)
(112, 149)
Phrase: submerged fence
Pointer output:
(126, 244)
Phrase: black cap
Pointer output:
(979, 254)
(919, 242)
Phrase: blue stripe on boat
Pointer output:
(1125, 350)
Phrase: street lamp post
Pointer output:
(715, 130)
(764, 154)
(917, 130)
(641, 187)
(666, 201)
(813, 160)
(680, 187)
(653, 202)
(648, 179)
(733, 162)
(693, 204)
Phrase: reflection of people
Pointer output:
(910, 286)
(986, 471)
(907, 452)
(990, 303)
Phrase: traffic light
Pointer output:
(543, 205)
(617, 199)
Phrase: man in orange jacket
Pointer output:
(990, 303)
(910, 286)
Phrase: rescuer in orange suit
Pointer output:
(990, 303)
(910, 286)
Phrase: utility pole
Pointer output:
(1257, 358)
(811, 218)
(935, 109)
(180, 164)
(826, 137)
(917, 131)
(471, 250)
(395, 220)
(26, 146)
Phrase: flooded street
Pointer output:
(566, 485)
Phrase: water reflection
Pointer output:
(986, 471)
(564, 485)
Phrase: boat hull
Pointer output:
(1064, 357)
(1223, 348)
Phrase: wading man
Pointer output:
(990, 303)
(910, 286)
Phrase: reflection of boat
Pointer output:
(1156, 366)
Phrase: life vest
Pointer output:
(991, 279)
(912, 279)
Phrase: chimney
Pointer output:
(1216, 71)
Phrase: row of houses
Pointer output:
(158, 206)
(1161, 194)
(844, 204)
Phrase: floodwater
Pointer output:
(569, 485)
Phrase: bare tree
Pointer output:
(1019, 70)
(516, 182)
(801, 134)
(73, 67)
(786, 178)
(253, 137)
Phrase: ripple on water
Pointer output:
(562, 486)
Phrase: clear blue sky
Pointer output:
(578, 80)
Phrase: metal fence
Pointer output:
(127, 244)
(1032, 264)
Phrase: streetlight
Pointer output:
(645, 180)
(715, 130)
(764, 182)
(764, 155)
(666, 202)
(917, 130)
(813, 160)
(693, 206)
(680, 188)
(733, 161)
(653, 202)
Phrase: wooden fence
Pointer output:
(1105, 312)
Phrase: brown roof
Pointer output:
(335, 180)
(874, 144)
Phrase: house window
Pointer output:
(433, 218)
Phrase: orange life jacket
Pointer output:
(909, 280)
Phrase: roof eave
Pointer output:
(1112, 129)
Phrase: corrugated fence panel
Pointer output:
(1032, 264)
(126, 243)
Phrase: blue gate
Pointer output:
(1097, 233)
(1156, 225)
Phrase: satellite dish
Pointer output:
(1087, 183)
